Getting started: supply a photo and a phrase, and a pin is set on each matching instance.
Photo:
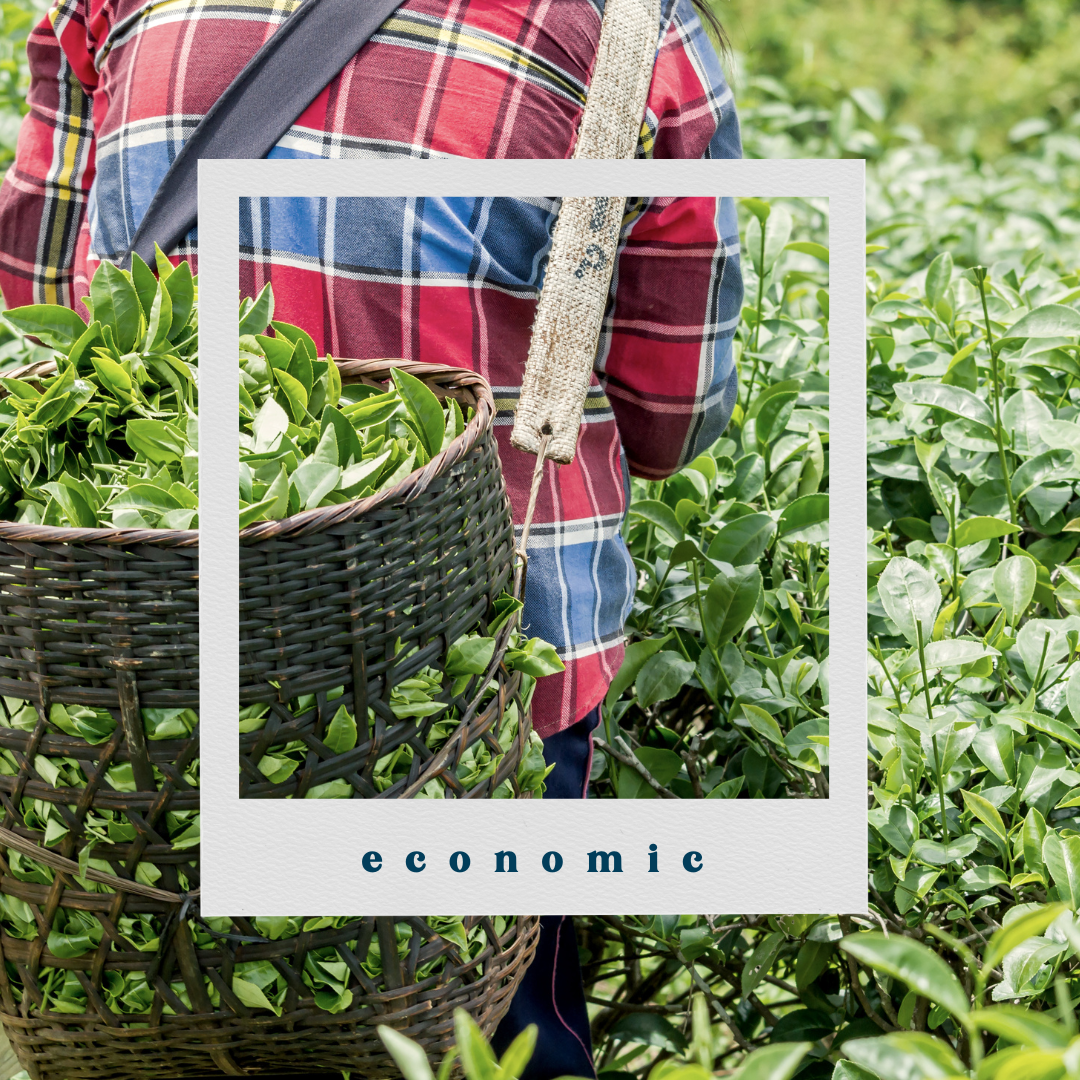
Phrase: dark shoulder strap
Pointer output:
(280, 81)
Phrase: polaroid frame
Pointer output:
(270, 857)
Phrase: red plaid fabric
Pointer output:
(119, 84)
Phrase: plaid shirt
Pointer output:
(119, 84)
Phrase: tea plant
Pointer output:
(16, 19)
(974, 751)
(974, 603)
(724, 690)
(973, 78)
(473, 1055)
(848, 1001)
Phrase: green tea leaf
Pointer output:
(912, 963)
(729, 602)
(809, 247)
(904, 1055)
(250, 994)
(155, 440)
(1021, 1026)
(975, 529)
(423, 408)
(341, 734)
(160, 319)
(659, 514)
(911, 597)
(662, 676)
(763, 723)
(1016, 932)
(1061, 856)
(68, 946)
(146, 286)
(1014, 586)
(634, 658)
(1051, 465)
(780, 1061)
(56, 326)
(313, 481)
(663, 765)
(116, 305)
(260, 314)
(74, 506)
(409, 1056)
(258, 511)
(182, 295)
(293, 334)
(806, 518)
(295, 395)
(936, 854)
(938, 277)
(985, 811)
(470, 656)
(950, 399)
(271, 422)
(743, 541)
(1048, 321)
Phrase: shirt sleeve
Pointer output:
(44, 196)
(690, 111)
(665, 359)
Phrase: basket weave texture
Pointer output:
(336, 597)
(234, 1042)
(109, 618)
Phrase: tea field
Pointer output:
(968, 962)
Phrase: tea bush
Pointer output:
(967, 964)
(725, 687)
(982, 949)
(977, 77)
(973, 755)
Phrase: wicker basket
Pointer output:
(327, 594)
(109, 618)
(233, 1042)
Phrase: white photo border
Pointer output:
(271, 857)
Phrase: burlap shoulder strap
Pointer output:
(586, 238)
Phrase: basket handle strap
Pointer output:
(585, 242)
(523, 539)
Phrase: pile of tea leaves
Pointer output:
(307, 441)
(110, 439)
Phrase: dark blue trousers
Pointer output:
(551, 994)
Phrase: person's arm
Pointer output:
(665, 358)
(44, 195)
(665, 354)
(691, 110)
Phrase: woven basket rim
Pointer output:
(307, 521)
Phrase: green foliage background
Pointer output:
(967, 75)
(969, 114)
(725, 687)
